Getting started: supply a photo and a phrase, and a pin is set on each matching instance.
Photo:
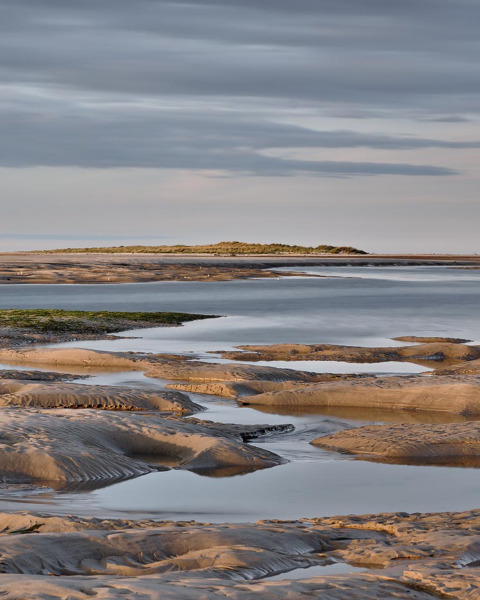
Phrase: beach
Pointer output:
(214, 454)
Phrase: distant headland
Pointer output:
(228, 248)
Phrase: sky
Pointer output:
(347, 122)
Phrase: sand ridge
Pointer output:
(38, 268)
(238, 389)
(449, 443)
(95, 448)
(435, 350)
(449, 394)
(156, 366)
(71, 395)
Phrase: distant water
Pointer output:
(360, 305)
(356, 305)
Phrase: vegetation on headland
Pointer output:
(229, 248)
(89, 322)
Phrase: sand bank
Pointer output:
(270, 386)
(419, 557)
(437, 351)
(449, 443)
(70, 395)
(156, 366)
(448, 394)
(238, 389)
(85, 268)
(111, 268)
(96, 448)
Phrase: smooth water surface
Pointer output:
(340, 310)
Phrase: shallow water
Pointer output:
(335, 366)
(321, 486)
(404, 274)
(337, 568)
(365, 307)
(344, 310)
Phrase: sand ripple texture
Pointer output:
(447, 394)
(96, 447)
(419, 557)
(450, 443)
(68, 395)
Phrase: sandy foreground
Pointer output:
(135, 268)
(71, 436)
(420, 557)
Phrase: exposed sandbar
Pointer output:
(270, 386)
(37, 375)
(423, 353)
(236, 389)
(70, 395)
(455, 395)
(96, 447)
(126, 268)
(449, 443)
(157, 366)
(61, 268)
(464, 368)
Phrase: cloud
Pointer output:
(411, 54)
(88, 83)
(181, 139)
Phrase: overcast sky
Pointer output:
(306, 121)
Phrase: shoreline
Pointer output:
(327, 257)
(104, 268)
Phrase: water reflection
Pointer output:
(322, 487)
(365, 415)
(332, 568)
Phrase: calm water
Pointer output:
(347, 309)
(364, 306)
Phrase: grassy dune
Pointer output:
(229, 248)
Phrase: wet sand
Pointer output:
(417, 557)
(431, 353)
(121, 434)
(48, 268)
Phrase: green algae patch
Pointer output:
(89, 322)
